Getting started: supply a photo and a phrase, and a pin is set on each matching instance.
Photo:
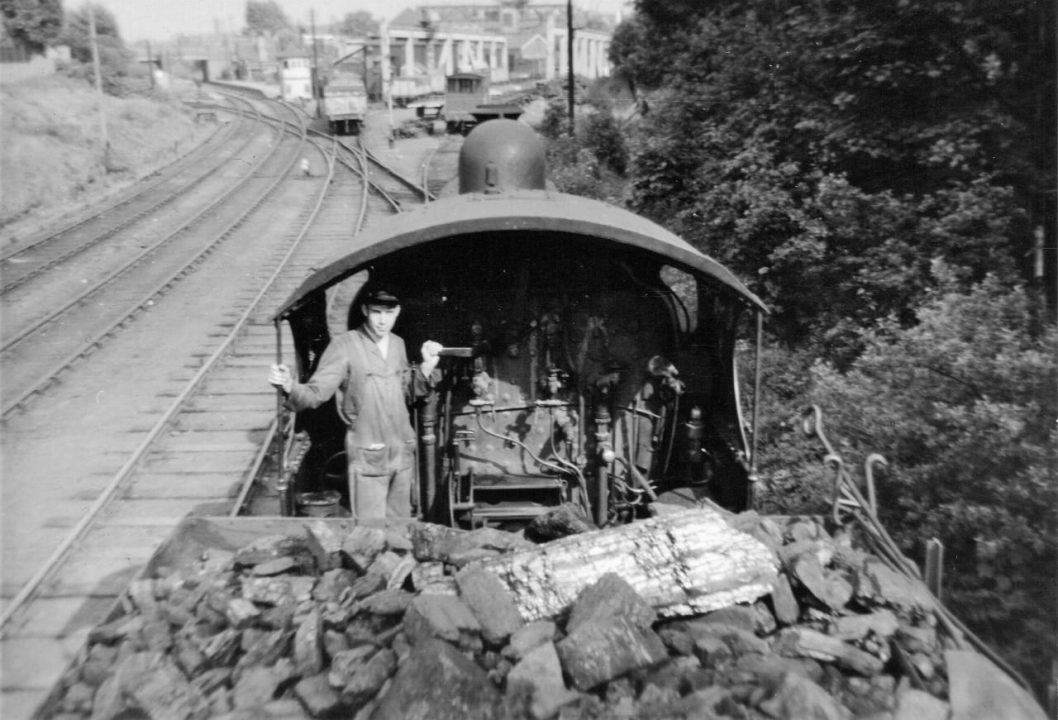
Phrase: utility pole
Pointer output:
(571, 95)
(315, 64)
(387, 73)
(150, 63)
(104, 137)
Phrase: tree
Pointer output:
(876, 170)
(114, 57)
(34, 23)
(635, 50)
(603, 137)
(842, 146)
(265, 17)
(555, 122)
(962, 405)
(358, 24)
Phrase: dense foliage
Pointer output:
(78, 34)
(120, 74)
(358, 24)
(266, 18)
(35, 23)
(52, 145)
(842, 146)
(882, 174)
(963, 404)
(591, 162)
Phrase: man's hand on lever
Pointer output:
(430, 356)
(280, 377)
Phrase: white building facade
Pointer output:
(295, 78)
(536, 31)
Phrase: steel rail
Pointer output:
(115, 483)
(426, 163)
(133, 309)
(296, 109)
(422, 190)
(273, 428)
(364, 157)
(360, 153)
(361, 215)
(175, 166)
(108, 232)
(360, 147)
(133, 262)
(255, 469)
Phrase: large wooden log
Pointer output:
(683, 563)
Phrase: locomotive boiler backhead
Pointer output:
(592, 352)
(501, 156)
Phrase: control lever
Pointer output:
(462, 352)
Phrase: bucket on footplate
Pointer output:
(319, 504)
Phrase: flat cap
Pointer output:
(380, 295)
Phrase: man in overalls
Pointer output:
(368, 370)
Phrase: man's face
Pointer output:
(380, 319)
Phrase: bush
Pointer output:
(589, 163)
(556, 120)
(792, 478)
(963, 406)
(53, 145)
(603, 136)
(117, 69)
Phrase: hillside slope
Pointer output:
(52, 163)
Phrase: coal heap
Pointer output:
(422, 621)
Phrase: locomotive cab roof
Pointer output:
(503, 196)
(519, 212)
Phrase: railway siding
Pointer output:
(100, 412)
(77, 437)
(46, 250)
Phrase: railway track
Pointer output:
(21, 264)
(406, 192)
(115, 314)
(169, 418)
(33, 343)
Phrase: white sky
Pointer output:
(162, 19)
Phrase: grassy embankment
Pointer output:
(52, 165)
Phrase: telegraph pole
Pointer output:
(150, 63)
(315, 63)
(387, 73)
(569, 63)
(104, 137)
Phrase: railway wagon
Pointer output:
(463, 93)
(590, 354)
(467, 103)
(409, 88)
(343, 102)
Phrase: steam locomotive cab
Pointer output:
(589, 354)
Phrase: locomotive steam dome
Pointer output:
(501, 156)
